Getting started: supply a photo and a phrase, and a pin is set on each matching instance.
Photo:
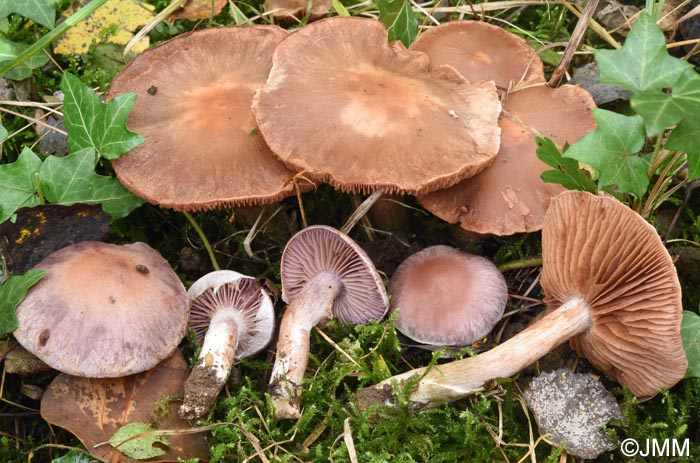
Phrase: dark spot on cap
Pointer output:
(44, 337)
(142, 269)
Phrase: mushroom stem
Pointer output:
(313, 305)
(213, 365)
(455, 380)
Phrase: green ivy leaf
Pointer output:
(642, 63)
(72, 179)
(686, 137)
(12, 292)
(566, 171)
(662, 109)
(10, 50)
(690, 333)
(74, 456)
(3, 132)
(41, 11)
(611, 148)
(136, 440)
(93, 124)
(18, 184)
(399, 19)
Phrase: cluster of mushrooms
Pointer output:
(234, 116)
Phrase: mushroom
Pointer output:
(350, 109)
(482, 51)
(617, 300)
(103, 310)
(573, 407)
(447, 297)
(233, 318)
(510, 197)
(202, 148)
(325, 275)
(294, 11)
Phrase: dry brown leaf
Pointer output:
(199, 9)
(94, 409)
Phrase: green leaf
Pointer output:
(18, 184)
(72, 179)
(135, 440)
(40, 11)
(12, 292)
(93, 124)
(663, 109)
(690, 333)
(339, 8)
(642, 63)
(3, 132)
(686, 137)
(611, 148)
(566, 171)
(11, 50)
(399, 19)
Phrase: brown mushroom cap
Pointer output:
(447, 297)
(229, 290)
(103, 310)
(351, 110)
(510, 197)
(319, 249)
(293, 11)
(482, 51)
(202, 148)
(628, 281)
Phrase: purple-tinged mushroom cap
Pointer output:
(447, 297)
(320, 249)
(103, 310)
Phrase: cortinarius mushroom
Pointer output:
(325, 274)
(350, 109)
(202, 145)
(482, 51)
(233, 318)
(103, 310)
(617, 299)
(447, 297)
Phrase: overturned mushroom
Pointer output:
(233, 318)
(447, 297)
(350, 109)
(617, 299)
(103, 310)
(325, 275)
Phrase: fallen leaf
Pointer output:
(199, 9)
(95, 409)
(138, 440)
(114, 22)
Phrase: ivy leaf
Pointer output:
(690, 333)
(686, 137)
(40, 11)
(399, 19)
(136, 440)
(18, 184)
(642, 63)
(611, 148)
(661, 109)
(93, 124)
(566, 171)
(10, 50)
(3, 132)
(12, 292)
(72, 179)
(74, 456)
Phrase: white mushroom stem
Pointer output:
(313, 305)
(214, 363)
(454, 380)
